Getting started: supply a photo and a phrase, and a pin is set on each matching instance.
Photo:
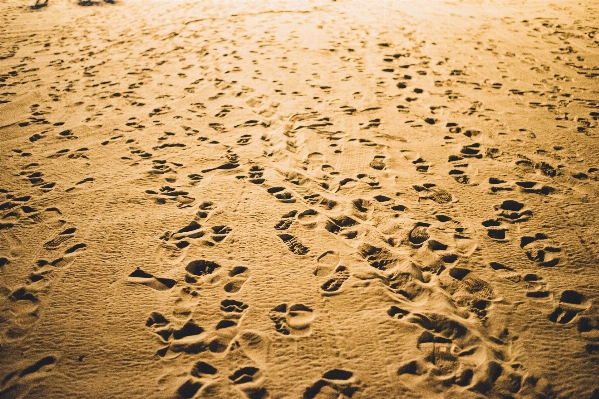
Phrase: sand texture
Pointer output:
(299, 199)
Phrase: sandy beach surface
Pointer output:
(299, 199)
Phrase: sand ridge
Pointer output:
(320, 199)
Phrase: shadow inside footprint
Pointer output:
(334, 383)
(238, 276)
(249, 379)
(201, 267)
(333, 285)
(18, 383)
(157, 283)
(539, 250)
(571, 303)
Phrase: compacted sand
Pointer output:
(301, 199)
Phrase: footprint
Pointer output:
(471, 151)
(539, 250)
(371, 181)
(200, 268)
(513, 211)
(362, 209)
(254, 345)
(231, 163)
(233, 309)
(24, 213)
(459, 175)
(333, 285)
(378, 162)
(570, 304)
(256, 172)
(498, 185)
(185, 302)
(18, 312)
(205, 210)
(202, 374)
(177, 243)
(18, 383)
(249, 380)
(187, 338)
(195, 178)
(535, 286)
(419, 234)
(219, 233)
(138, 276)
(342, 226)
(192, 230)
(468, 291)
(237, 278)
(281, 194)
(172, 252)
(495, 229)
(203, 370)
(443, 328)
(446, 346)
(326, 263)
(167, 193)
(294, 245)
(188, 389)
(397, 312)
(308, 218)
(76, 249)
(379, 258)
(336, 383)
(292, 320)
(286, 221)
(588, 327)
(244, 139)
(244, 375)
(442, 355)
(546, 169)
(429, 191)
(535, 187)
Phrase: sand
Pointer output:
(299, 199)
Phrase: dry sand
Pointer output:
(302, 199)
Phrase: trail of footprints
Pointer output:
(181, 334)
(451, 351)
(543, 253)
(21, 306)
